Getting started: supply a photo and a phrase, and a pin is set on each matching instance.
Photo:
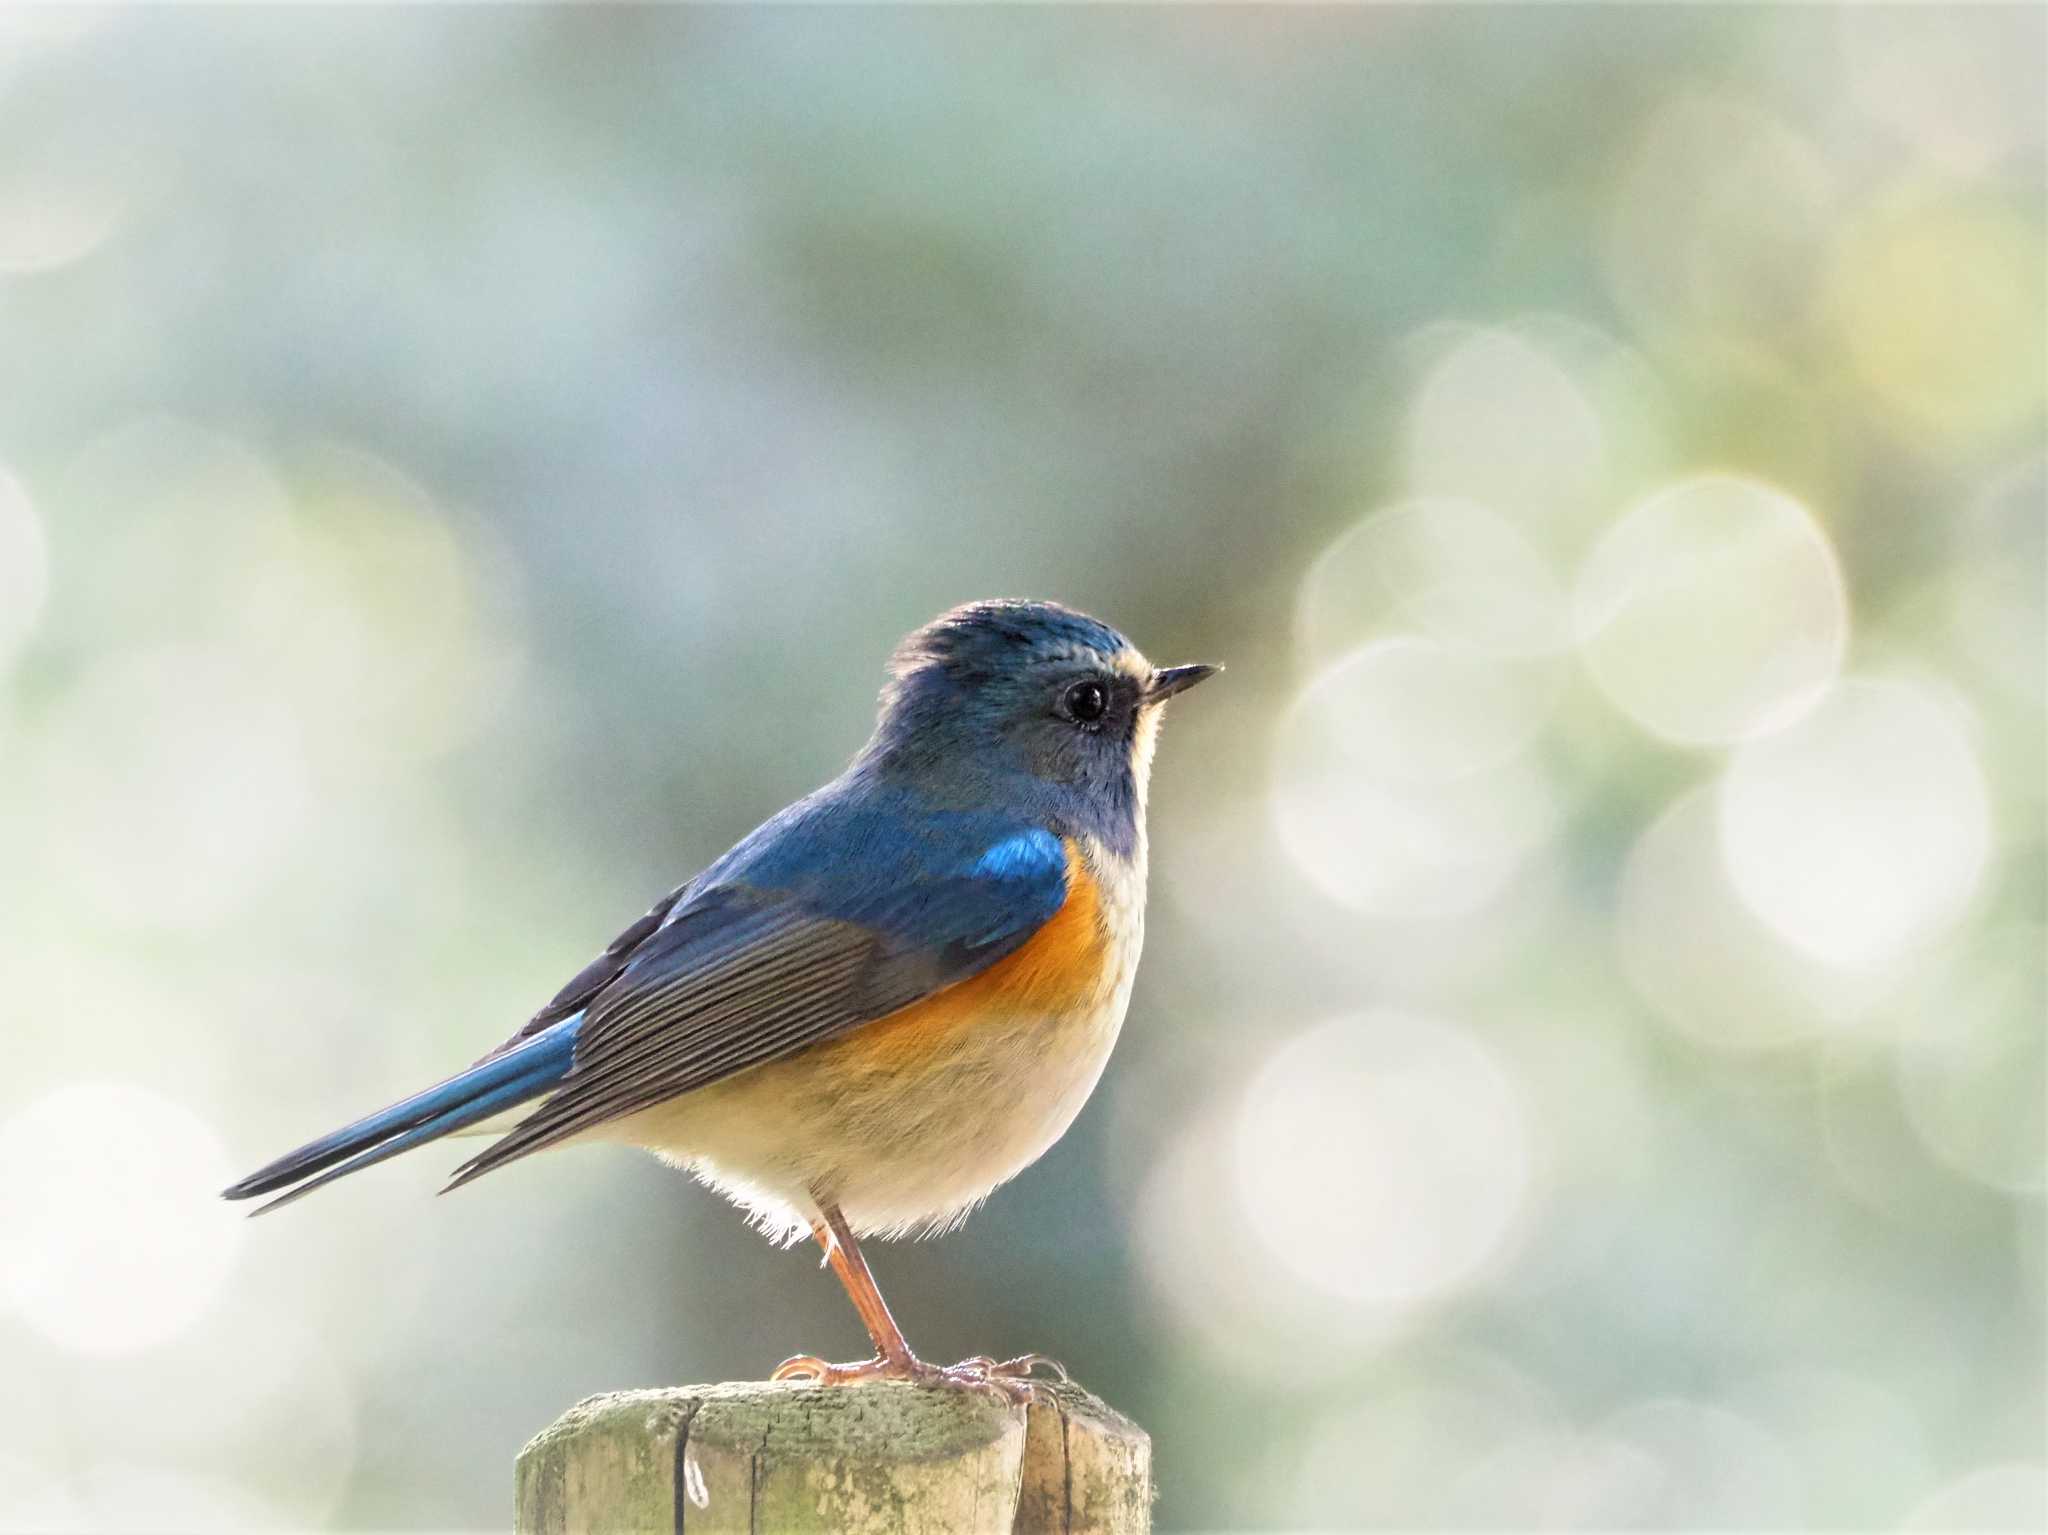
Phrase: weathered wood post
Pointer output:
(860, 1460)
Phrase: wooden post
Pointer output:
(861, 1460)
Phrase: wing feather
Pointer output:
(736, 976)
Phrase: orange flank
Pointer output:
(1058, 968)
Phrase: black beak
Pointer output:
(1176, 679)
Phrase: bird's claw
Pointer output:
(1024, 1364)
(1011, 1380)
(820, 1372)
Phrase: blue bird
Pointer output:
(883, 1002)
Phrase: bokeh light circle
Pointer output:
(1498, 421)
(1412, 709)
(1713, 612)
(1863, 830)
(1359, 815)
(1452, 570)
(1710, 966)
(1383, 1158)
(1251, 1316)
(113, 1241)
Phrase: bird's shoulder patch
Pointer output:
(1030, 854)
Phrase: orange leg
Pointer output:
(893, 1359)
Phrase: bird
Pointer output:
(884, 1002)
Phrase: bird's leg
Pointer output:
(893, 1358)
(1010, 1378)
(848, 1262)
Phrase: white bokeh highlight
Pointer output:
(1712, 969)
(1713, 612)
(1498, 421)
(1408, 851)
(1862, 831)
(1252, 1315)
(1412, 709)
(1399, 804)
(1384, 1158)
(113, 1242)
(1451, 570)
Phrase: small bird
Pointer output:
(883, 1002)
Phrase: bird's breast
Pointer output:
(1071, 966)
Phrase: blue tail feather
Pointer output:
(527, 1071)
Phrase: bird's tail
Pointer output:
(528, 1070)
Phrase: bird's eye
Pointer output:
(1086, 702)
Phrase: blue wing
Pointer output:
(846, 907)
(841, 911)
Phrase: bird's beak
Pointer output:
(1176, 679)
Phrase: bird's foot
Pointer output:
(1011, 1379)
(810, 1367)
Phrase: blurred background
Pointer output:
(459, 470)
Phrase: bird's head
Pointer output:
(1013, 696)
